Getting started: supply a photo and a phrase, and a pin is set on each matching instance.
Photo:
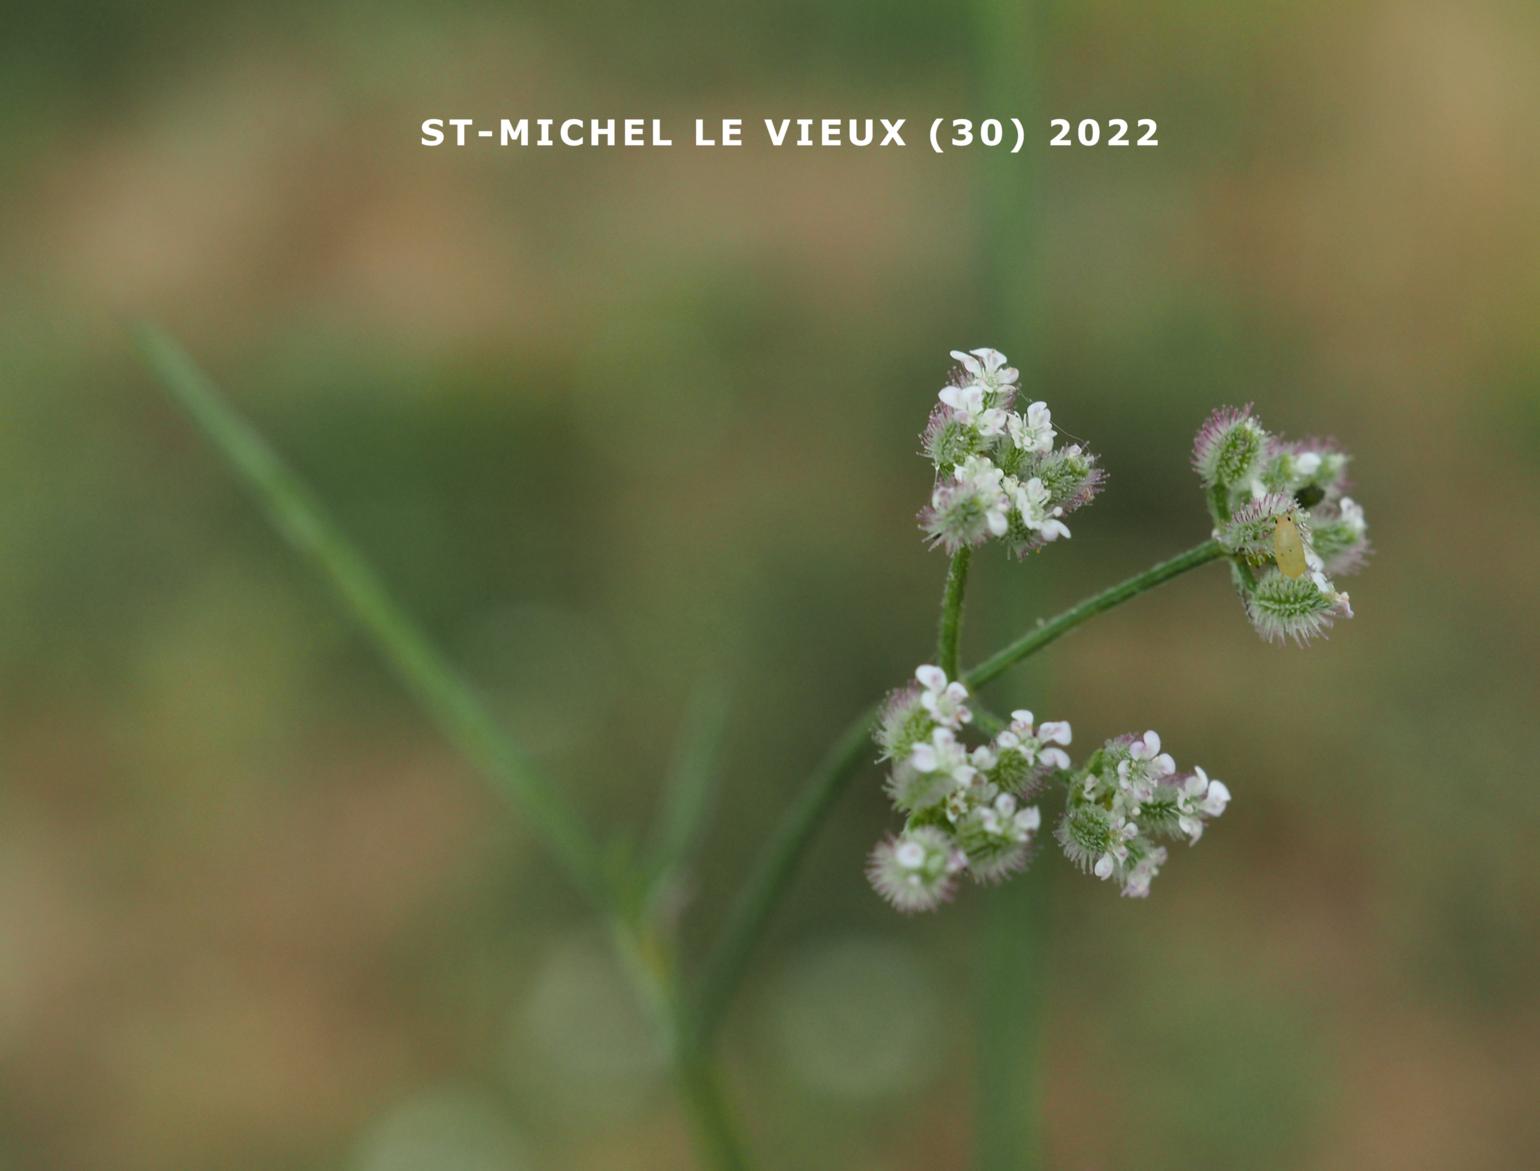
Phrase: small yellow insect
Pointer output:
(1289, 548)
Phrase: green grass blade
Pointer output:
(447, 697)
(692, 782)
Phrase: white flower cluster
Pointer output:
(965, 807)
(1281, 511)
(998, 473)
(1129, 795)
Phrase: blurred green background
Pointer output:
(612, 422)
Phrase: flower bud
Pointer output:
(917, 870)
(1300, 608)
(902, 724)
(1228, 448)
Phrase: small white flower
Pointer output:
(1148, 749)
(1198, 798)
(981, 474)
(946, 702)
(1353, 516)
(910, 855)
(967, 401)
(1032, 431)
(987, 482)
(1217, 799)
(1054, 758)
(987, 368)
(1031, 500)
(1307, 463)
(942, 753)
(1137, 883)
(992, 422)
(1055, 732)
(1141, 771)
(1123, 831)
(1021, 737)
(1002, 819)
(971, 794)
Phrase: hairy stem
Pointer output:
(951, 611)
(1061, 624)
(728, 961)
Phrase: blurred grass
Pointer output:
(657, 410)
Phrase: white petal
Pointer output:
(1218, 797)
(1104, 866)
(1055, 757)
(933, 678)
(1055, 732)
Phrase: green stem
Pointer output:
(951, 611)
(700, 1091)
(728, 960)
(649, 961)
(416, 661)
(1059, 625)
(1009, 1022)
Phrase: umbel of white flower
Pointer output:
(999, 475)
(966, 807)
(967, 811)
(1127, 798)
(1280, 514)
(1280, 509)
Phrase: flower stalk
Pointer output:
(951, 611)
(1061, 624)
(727, 963)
